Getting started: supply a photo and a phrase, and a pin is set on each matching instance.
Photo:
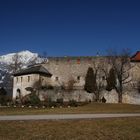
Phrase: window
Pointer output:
(17, 79)
(21, 79)
(78, 78)
(56, 78)
(28, 78)
(103, 77)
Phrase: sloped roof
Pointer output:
(136, 57)
(34, 70)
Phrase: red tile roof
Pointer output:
(136, 57)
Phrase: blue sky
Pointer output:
(69, 27)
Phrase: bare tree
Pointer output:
(37, 86)
(16, 63)
(99, 78)
(120, 63)
(43, 57)
(70, 84)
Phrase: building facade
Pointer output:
(32, 77)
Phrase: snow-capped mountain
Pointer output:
(23, 56)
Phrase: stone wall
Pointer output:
(129, 97)
(76, 95)
(66, 68)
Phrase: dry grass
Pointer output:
(90, 108)
(96, 129)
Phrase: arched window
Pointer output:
(18, 92)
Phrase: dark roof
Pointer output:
(136, 57)
(34, 70)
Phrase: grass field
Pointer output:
(90, 108)
(96, 129)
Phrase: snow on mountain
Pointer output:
(24, 57)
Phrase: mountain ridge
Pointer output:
(24, 57)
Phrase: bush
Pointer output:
(49, 103)
(3, 97)
(34, 99)
(103, 100)
(60, 101)
(73, 103)
(31, 99)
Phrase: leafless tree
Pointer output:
(99, 78)
(70, 84)
(120, 62)
(37, 86)
(43, 57)
(16, 63)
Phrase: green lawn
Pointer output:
(90, 108)
(95, 129)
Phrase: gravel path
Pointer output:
(66, 116)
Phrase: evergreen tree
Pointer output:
(90, 80)
(111, 80)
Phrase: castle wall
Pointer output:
(65, 69)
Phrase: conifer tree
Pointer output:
(111, 80)
(89, 81)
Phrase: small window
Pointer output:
(28, 78)
(21, 79)
(17, 79)
(78, 78)
(103, 78)
(56, 78)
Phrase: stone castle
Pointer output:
(63, 69)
